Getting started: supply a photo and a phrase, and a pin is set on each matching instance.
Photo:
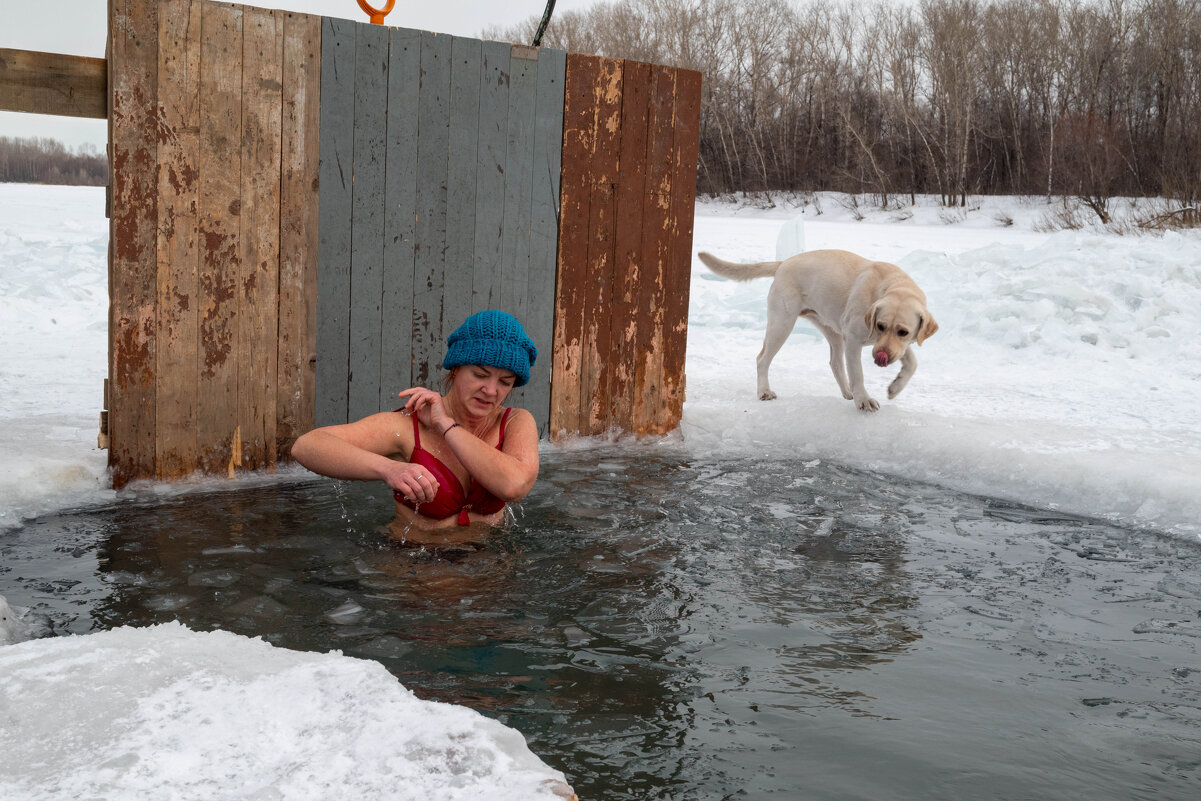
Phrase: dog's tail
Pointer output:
(739, 272)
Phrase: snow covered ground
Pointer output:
(1063, 376)
(141, 713)
(1064, 373)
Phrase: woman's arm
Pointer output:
(361, 451)
(509, 474)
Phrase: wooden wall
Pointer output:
(214, 135)
(304, 208)
(439, 195)
(630, 140)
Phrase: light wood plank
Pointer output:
(133, 62)
(544, 229)
(463, 144)
(579, 135)
(300, 166)
(333, 244)
(258, 310)
(177, 337)
(220, 246)
(519, 188)
(404, 82)
(367, 214)
(490, 175)
(596, 358)
(686, 133)
(430, 258)
(628, 324)
(656, 243)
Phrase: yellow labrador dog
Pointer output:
(854, 302)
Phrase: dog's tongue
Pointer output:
(881, 358)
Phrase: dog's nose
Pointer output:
(881, 358)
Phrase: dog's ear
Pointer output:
(925, 327)
(869, 319)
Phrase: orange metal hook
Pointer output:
(377, 15)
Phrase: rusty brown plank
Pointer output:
(656, 242)
(686, 132)
(627, 245)
(133, 64)
(300, 159)
(579, 129)
(52, 83)
(596, 359)
(219, 226)
(258, 275)
(177, 343)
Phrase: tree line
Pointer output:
(1093, 99)
(41, 160)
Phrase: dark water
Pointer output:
(662, 627)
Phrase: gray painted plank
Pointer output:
(544, 228)
(515, 237)
(467, 55)
(490, 174)
(430, 256)
(334, 195)
(396, 367)
(367, 209)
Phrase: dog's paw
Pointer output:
(867, 404)
(767, 394)
(846, 393)
(895, 387)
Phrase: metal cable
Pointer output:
(550, 7)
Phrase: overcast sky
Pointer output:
(79, 27)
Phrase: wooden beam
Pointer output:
(133, 238)
(50, 83)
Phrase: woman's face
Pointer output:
(480, 389)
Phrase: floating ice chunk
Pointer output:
(12, 628)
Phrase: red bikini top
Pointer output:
(451, 497)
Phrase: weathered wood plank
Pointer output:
(490, 175)
(177, 335)
(627, 324)
(333, 274)
(258, 309)
(686, 132)
(404, 81)
(597, 359)
(133, 62)
(579, 134)
(367, 210)
(544, 229)
(463, 144)
(219, 230)
(519, 160)
(300, 165)
(52, 83)
(655, 250)
(430, 257)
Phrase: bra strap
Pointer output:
(501, 441)
(416, 434)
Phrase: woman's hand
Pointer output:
(428, 406)
(412, 481)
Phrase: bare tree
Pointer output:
(1081, 97)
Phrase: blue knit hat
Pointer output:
(495, 339)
